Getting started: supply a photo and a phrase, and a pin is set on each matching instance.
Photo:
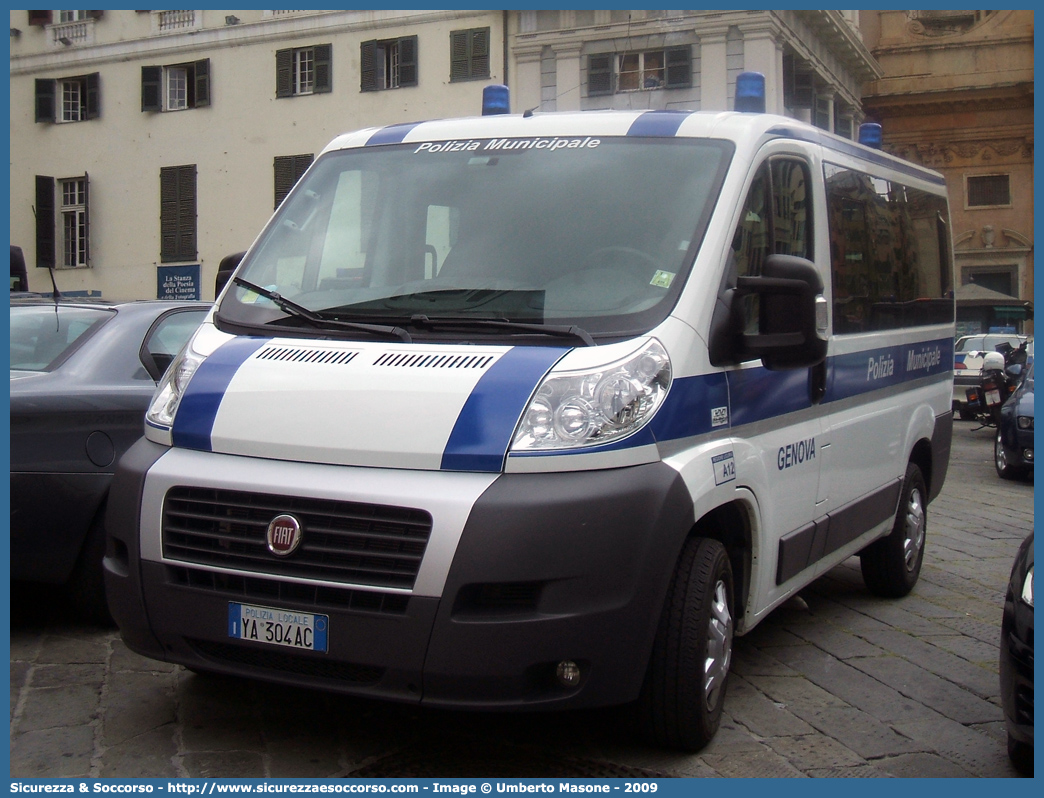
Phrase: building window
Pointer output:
(303, 70)
(62, 222)
(389, 64)
(178, 213)
(469, 54)
(1002, 279)
(988, 191)
(74, 222)
(288, 170)
(176, 87)
(74, 99)
(610, 73)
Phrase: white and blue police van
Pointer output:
(539, 411)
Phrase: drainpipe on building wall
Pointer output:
(504, 36)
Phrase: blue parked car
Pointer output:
(1013, 446)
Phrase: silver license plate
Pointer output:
(278, 627)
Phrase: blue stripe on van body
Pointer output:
(658, 123)
(757, 394)
(482, 433)
(393, 134)
(889, 367)
(194, 421)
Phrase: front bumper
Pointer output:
(543, 568)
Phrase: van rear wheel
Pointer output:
(892, 564)
(684, 691)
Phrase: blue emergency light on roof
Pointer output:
(870, 135)
(750, 92)
(495, 100)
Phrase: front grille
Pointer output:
(349, 542)
(258, 589)
(300, 664)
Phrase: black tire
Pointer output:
(892, 564)
(86, 585)
(1021, 756)
(966, 414)
(1005, 470)
(684, 691)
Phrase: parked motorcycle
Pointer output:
(1000, 377)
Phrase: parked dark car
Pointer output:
(82, 375)
(1016, 659)
(1013, 445)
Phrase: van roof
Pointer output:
(746, 130)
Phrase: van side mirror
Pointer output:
(227, 265)
(779, 316)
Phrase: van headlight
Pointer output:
(590, 407)
(172, 387)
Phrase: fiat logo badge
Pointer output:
(284, 535)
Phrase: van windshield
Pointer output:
(593, 233)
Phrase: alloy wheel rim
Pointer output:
(914, 529)
(719, 647)
(999, 455)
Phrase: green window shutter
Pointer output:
(45, 91)
(288, 170)
(323, 54)
(678, 74)
(87, 219)
(367, 66)
(408, 61)
(284, 73)
(177, 213)
(187, 213)
(202, 70)
(599, 74)
(480, 53)
(459, 55)
(92, 83)
(151, 88)
(45, 221)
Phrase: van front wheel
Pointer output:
(892, 564)
(684, 690)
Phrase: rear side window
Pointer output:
(42, 336)
(889, 253)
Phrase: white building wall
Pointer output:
(233, 142)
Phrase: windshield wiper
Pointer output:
(317, 320)
(560, 331)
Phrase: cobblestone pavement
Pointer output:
(835, 683)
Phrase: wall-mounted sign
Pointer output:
(178, 282)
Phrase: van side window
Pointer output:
(791, 219)
(750, 242)
(889, 253)
(784, 228)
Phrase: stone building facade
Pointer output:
(956, 95)
(148, 145)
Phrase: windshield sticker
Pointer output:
(502, 145)
(662, 279)
(724, 468)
